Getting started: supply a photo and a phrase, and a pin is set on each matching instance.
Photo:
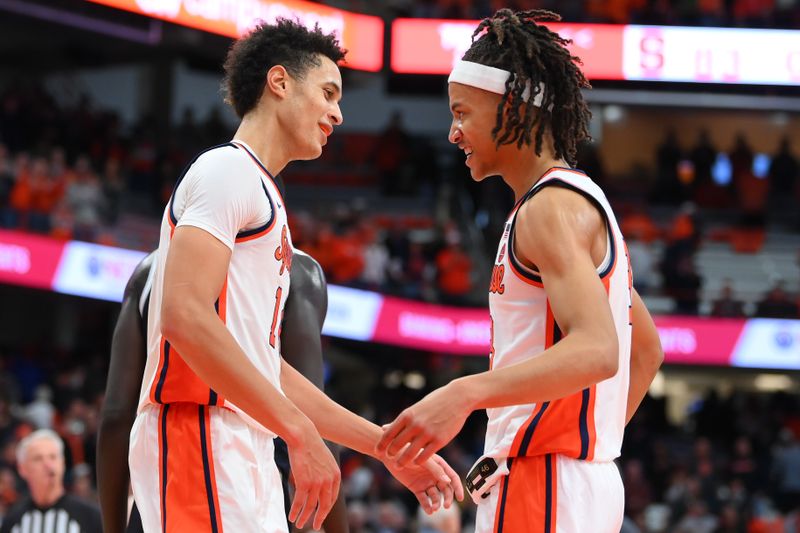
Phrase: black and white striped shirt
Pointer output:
(67, 515)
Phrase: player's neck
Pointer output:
(526, 168)
(260, 132)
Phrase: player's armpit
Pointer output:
(646, 355)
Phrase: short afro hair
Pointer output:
(287, 43)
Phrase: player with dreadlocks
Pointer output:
(573, 347)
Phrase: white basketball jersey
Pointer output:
(227, 192)
(587, 425)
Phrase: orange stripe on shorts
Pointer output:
(189, 499)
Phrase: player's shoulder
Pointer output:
(306, 270)
(138, 279)
(220, 159)
(557, 215)
(551, 204)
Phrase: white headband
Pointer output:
(489, 79)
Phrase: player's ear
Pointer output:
(278, 80)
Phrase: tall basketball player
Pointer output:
(573, 347)
(215, 390)
(306, 307)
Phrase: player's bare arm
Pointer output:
(128, 357)
(301, 344)
(304, 314)
(431, 482)
(646, 355)
(190, 323)
(563, 236)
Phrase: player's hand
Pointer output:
(316, 478)
(434, 483)
(425, 427)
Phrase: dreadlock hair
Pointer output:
(287, 43)
(514, 41)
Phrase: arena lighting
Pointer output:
(101, 272)
(623, 52)
(361, 35)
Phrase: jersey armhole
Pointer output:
(606, 265)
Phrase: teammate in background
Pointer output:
(306, 307)
(573, 347)
(215, 389)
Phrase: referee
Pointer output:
(40, 460)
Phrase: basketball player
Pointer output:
(306, 307)
(561, 302)
(215, 389)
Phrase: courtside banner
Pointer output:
(432, 46)
(95, 271)
(101, 272)
(433, 327)
(699, 341)
(623, 52)
(361, 35)
(28, 260)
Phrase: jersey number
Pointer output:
(275, 321)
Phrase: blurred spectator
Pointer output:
(41, 412)
(589, 161)
(702, 157)
(637, 224)
(6, 185)
(681, 280)
(777, 303)
(376, 260)
(786, 471)
(8, 490)
(638, 494)
(391, 156)
(391, 518)
(47, 188)
(783, 173)
(84, 199)
(697, 519)
(730, 521)
(668, 188)
(454, 270)
(113, 191)
(642, 264)
(40, 460)
(751, 190)
(726, 306)
(441, 521)
(21, 198)
(743, 464)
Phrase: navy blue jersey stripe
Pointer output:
(526, 438)
(548, 493)
(584, 424)
(212, 509)
(164, 468)
(162, 377)
(502, 510)
(261, 228)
